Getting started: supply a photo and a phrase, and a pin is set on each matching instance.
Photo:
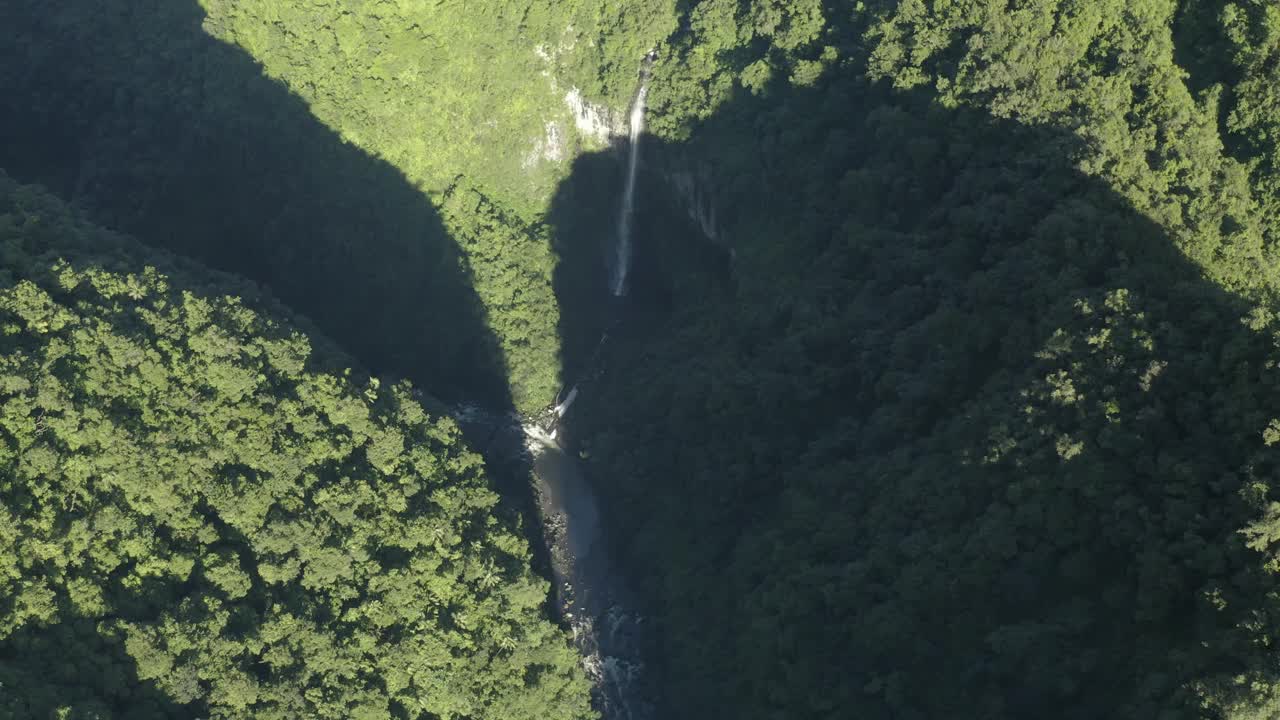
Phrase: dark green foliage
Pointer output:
(229, 131)
(982, 424)
(180, 140)
(1236, 47)
(969, 410)
(195, 498)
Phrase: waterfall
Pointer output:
(622, 261)
(563, 407)
(592, 596)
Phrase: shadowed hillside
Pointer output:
(149, 126)
(138, 116)
(968, 408)
(962, 433)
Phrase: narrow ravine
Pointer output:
(591, 594)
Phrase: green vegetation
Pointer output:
(979, 421)
(968, 410)
(471, 107)
(198, 498)
(160, 119)
(442, 90)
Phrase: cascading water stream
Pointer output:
(622, 259)
(591, 592)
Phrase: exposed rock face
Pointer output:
(692, 185)
(595, 123)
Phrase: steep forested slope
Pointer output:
(205, 514)
(981, 423)
(401, 152)
(967, 406)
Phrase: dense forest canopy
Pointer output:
(980, 421)
(946, 388)
(196, 497)
(237, 132)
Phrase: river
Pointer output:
(591, 594)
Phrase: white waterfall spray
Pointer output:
(563, 407)
(622, 261)
(591, 595)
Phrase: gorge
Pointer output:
(590, 588)
(413, 360)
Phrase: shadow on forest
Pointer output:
(159, 130)
(75, 655)
(789, 440)
(785, 442)
(1200, 45)
(154, 128)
